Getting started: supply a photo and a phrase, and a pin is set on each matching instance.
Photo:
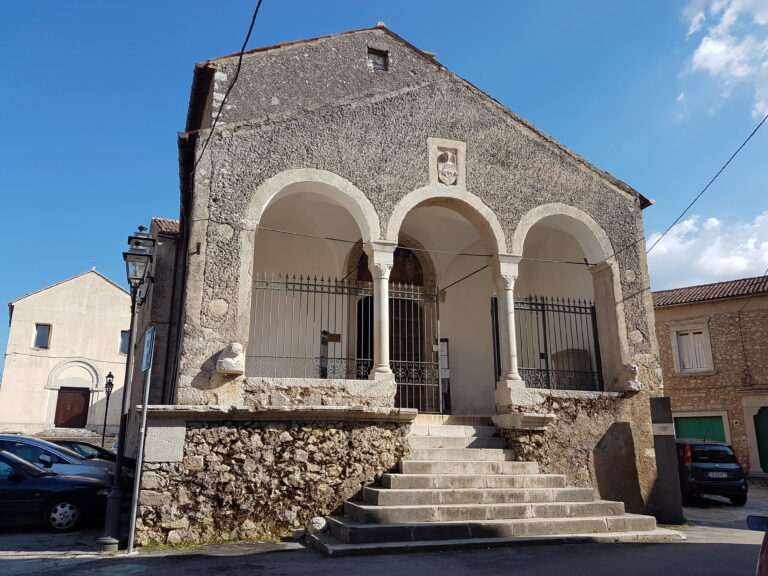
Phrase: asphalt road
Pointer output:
(718, 544)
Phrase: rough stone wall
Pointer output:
(602, 442)
(510, 166)
(260, 480)
(739, 356)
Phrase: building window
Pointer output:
(378, 60)
(42, 336)
(691, 351)
(125, 336)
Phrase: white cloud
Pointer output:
(734, 45)
(711, 252)
(681, 97)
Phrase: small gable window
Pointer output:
(42, 336)
(378, 59)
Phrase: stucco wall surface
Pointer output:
(260, 480)
(739, 345)
(376, 138)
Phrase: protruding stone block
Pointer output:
(231, 360)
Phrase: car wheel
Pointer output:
(63, 515)
(738, 500)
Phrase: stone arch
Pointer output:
(328, 184)
(54, 383)
(591, 237)
(455, 198)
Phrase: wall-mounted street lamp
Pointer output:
(137, 262)
(109, 385)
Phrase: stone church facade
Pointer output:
(369, 241)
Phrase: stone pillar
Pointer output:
(380, 260)
(510, 378)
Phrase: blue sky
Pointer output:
(658, 93)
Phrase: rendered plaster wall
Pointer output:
(599, 441)
(740, 375)
(260, 480)
(86, 314)
(375, 137)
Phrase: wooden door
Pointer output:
(72, 408)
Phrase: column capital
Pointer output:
(379, 247)
(506, 268)
(381, 258)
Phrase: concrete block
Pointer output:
(165, 441)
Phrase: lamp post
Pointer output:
(137, 261)
(108, 386)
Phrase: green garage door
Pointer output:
(700, 428)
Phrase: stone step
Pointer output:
(410, 497)
(349, 531)
(466, 467)
(453, 430)
(367, 514)
(457, 481)
(465, 454)
(331, 546)
(417, 442)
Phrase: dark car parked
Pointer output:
(710, 468)
(55, 458)
(29, 495)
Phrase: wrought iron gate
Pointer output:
(323, 328)
(413, 347)
(557, 344)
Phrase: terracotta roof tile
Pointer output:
(167, 227)
(706, 292)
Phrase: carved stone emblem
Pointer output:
(447, 170)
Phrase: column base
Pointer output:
(382, 374)
(504, 388)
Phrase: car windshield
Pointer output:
(713, 454)
(21, 463)
(84, 450)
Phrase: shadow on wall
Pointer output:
(615, 467)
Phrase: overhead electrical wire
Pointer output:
(231, 86)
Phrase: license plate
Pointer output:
(718, 474)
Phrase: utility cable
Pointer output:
(699, 195)
(231, 86)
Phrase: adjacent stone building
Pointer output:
(366, 237)
(713, 340)
(63, 341)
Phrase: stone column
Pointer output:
(380, 260)
(510, 378)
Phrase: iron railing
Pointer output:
(557, 343)
(308, 327)
(323, 328)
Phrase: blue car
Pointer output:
(55, 458)
(29, 495)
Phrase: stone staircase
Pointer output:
(461, 489)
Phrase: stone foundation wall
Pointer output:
(598, 441)
(260, 480)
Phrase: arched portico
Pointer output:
(568, 274)
(468, 245)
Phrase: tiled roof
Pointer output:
(167, 227)
(706, 292)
